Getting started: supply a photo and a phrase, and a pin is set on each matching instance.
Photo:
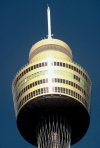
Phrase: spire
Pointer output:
(49, 22)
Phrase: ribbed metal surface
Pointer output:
(52, 48)
(53, 131)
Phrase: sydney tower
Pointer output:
(52, 95)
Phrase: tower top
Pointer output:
(49, 22)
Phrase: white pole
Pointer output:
(49, 22)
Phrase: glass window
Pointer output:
(45, 63)
(66, 91)
(56, 80)
(41, 90)
(59, 89)
(54, 63)
(44, 90)
(63, 64)
(74, 93)
(82, 81)
(24, 89)
(71, 92)
(55, 89)
(27, 70)
(38, 82)
(81, 72)
(42, 64)
(74, 85)
(47, 89)
(34, 66)
(31, 67)
(85, 77)
(25, 98)
(35, 82)
(60, 64)
(63, 90)
(38, 91)
(21, 74)
(67, 65)
(39, 64)
(46, 80)
(43, 80)
(66, 81)
(63, 81)
(57, 63)
(78, 96)
(24, 72)
(76, 69)
(31, 94)
(71, 83)
(28, 87)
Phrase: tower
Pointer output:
(52, 95)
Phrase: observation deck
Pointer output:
(51, 81)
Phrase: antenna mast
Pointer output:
(49, 22)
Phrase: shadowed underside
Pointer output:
(73, 111)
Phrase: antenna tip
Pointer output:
(47, 6)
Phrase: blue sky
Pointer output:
(23, 23)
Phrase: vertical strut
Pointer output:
(53, 131)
